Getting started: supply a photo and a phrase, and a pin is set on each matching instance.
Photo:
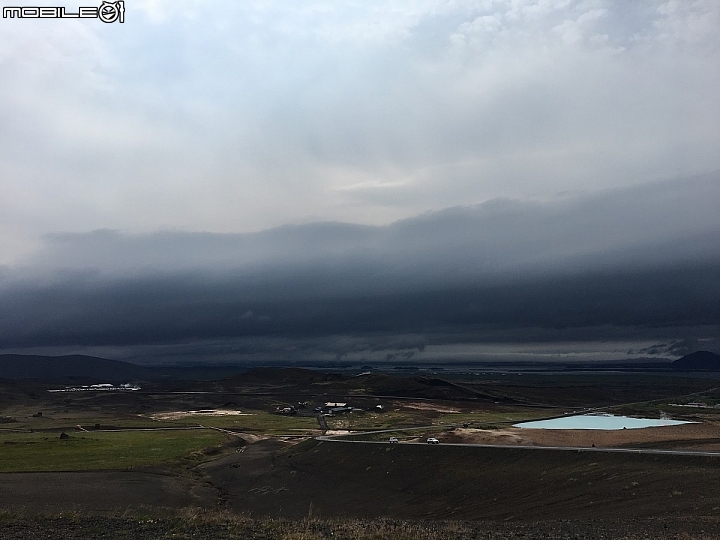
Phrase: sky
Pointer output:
(386, 165)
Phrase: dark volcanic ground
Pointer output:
(270, 479)
(440, 482)
(101, 491)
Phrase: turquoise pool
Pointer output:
(599, 421)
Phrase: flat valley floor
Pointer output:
(267, 476)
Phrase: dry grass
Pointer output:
(196, 524)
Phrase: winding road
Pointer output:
(650, 451)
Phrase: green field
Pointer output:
(254, 422)
(25, 452)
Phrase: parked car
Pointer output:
(394, 440)
(433, 440)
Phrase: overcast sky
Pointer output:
(262, 169)
(240, 116)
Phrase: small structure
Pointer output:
(339, 410)
(334, 407)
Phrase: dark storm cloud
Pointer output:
(642, 257)
(156, 310)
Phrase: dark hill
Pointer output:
(698, 361)
(306, 381)
(14, 393)
(414, 386)
(20, 366)
(294, 376)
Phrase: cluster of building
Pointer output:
(330, 408)
(105, 387)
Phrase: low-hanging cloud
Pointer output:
(646, 225)
(639, 257)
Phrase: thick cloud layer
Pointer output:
(653, 224)
(622, 260)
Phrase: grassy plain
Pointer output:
(56, 419)
(26, 452)
(260, 422)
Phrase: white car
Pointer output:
(433, 440)
(394, 440)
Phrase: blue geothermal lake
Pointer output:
(599, 421)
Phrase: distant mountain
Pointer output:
(698, 361)
(20, 366)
